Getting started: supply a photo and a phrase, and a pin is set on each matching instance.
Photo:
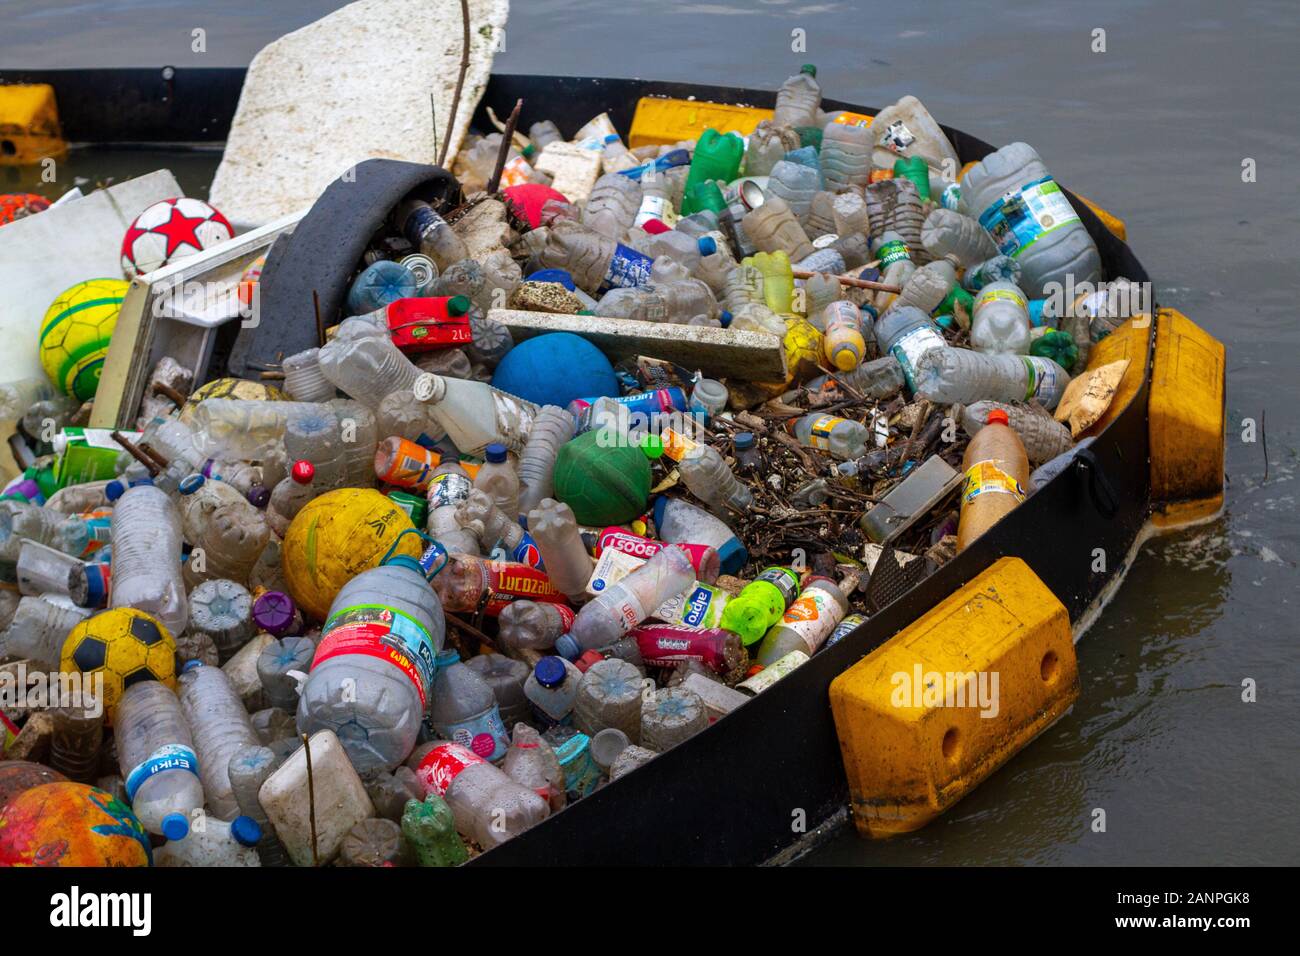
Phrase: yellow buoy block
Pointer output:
(29, 125)
(1132, 341)
(928, 716)
(659, 121)
(337, 536)
(1186, 421)
(1116, 225)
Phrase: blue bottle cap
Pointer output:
(708, 245)
(246, 831)
(495, 453)
(553, 275)
(175, 826)
(96, 586)
(550, 671)
(744, 440)
(114, 490)
(725, 318)
(612, 137)
(1035, 309)
(191, 665)
(733, 556)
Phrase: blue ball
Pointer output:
(554, 369)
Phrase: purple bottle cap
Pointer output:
(273, 612)
(258, 496)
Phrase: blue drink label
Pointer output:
(526, 552)
(169, 757)
(484, 735)
(1023, 216)
(627, 269)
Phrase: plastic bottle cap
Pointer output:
(809, 68)
(655, 226)
(588, 658)
(744, 440)
(191, 665)
(708, 245)
(725, 319)
(567, 647)
(553, 275)
(653, 446)
(246, 831)
(612, 137)
(273, 612)
(302, 472)
(189, 485)
(495, 453)
(458, 305)
(550, 671)
(175, 826)
(529, 151)
(258, 496)
(998, 417)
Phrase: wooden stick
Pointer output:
(507, 140)
(855, 283)
(166, 391)
(468, 628)
(311, 799)
(460, 83)
(320, 325)
(158, 459)
(135, 452)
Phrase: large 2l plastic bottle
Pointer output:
(373, 670)
(1016, 199)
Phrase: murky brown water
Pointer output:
(1156, 129)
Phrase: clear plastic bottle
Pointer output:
(479, 516)
(430, 233)
(679, 521)
(806, 623)
(821, 215)
(799, 99)
(552, 688)
(223, 610)
(908, 334)
(357, 428)
(706, 474)
(38, 630)
(999, 322)
(155, 752)
(198, 497)
(851, 216)
(465, 711)
(708, 397)
(248, 769)
(532, 625)
(367, 368)
(303, 379)
(612, 205)
(21, 521)
(240, 429)
(820, 292)
(842, 437)
(846, 156)
(77, 738)
(842, 343)
(879, 378)
(489, 807)
(41, 569)
(276, 666)
(146, 557)
(949, 233)
(670, 716)
(544, 133)
(506, 677)
(997, 474)
(290, 495)
(774, 227)
(401, 415)
(1017, 201)
(960, 375)
(552, 427)
(928, 286)
(499, 479)
(475, 414)
(231, 544)
(594, 261)
(896, 265)
(374, 703)
(997, 269)
(629, 602)
(532, 763)
(894, 205)
(568, 564)
(609, 695)
(220, 726)
(797, 184)
(1043, 436)
(907, 129)
(217, 844)
(312, 433)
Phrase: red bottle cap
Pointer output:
(997, 417)
(303, 472)
(655, 226)
(587, 659)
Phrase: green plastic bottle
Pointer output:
(430, 830)
(707, 195)
(761, 604)
(915, 169)
(1057, 346)
(716, 156)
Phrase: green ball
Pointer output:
(603, 485)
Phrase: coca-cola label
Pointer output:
(385, 633)
(441, 765)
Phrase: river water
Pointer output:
(1156, 127)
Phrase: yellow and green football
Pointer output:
(75, 334)
(126, 646)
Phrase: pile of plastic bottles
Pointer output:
(580, 528)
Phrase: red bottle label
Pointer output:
(442, 765)
(423, 325)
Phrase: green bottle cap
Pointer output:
(653, 446)
(458, 305)
(529, 151)
(809, 68)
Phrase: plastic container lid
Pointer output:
(553, 275)
(115, 489)
(246, 831)
(189, 484)
(191, 665)
(997, 417)
(550, 671)
(302, 471)
(744, 440)
(495, 453)
(708, 245)
(273, 612)
(459, 305)
(258, 496)
(175, 826)
(809, 68)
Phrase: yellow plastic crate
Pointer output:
(29, 125)
(931, 714)
(659, 121)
